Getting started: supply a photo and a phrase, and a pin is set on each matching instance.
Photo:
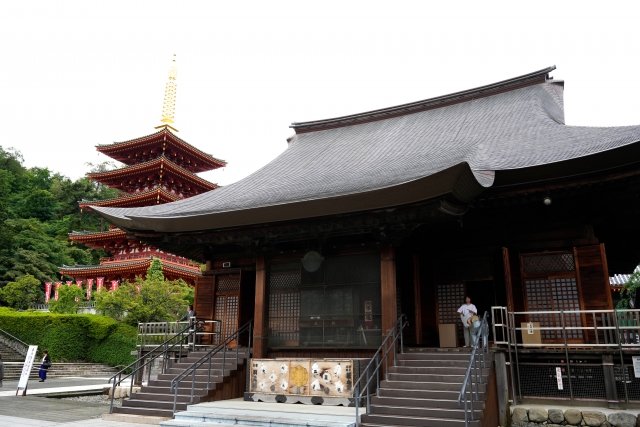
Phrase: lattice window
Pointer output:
(538, 294)
(554, 294)
(227, 284)
(450, 298)
(284, 316)
(227, 314)
(284, 306)
(284, 280)
(363, 268)
(548, 263)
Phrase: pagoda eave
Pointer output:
(144, 198)
(162, 142)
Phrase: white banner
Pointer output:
(559, 378)
(26, 370)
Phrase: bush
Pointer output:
(21, 293)
(73, 337)
(68, 299)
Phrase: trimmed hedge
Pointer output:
(73, 337)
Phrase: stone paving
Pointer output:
(36, 411)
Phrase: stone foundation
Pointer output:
(521, 417)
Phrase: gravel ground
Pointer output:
(100, 398)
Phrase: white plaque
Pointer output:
(559, 378)
(26, 370)
(636, 366)
(530, 328)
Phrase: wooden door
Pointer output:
(227, 308)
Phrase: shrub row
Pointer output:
(73, 337)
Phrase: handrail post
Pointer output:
(624, 374)
(193, 384)
(566, 352)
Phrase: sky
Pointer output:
(74, 74)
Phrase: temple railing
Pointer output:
(14, 343)
(380, 362)
(153, 333)
(87, 305)
(588, 354)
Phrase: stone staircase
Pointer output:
(12, 370)
(156, 398)
(422, 390)
(9, 354)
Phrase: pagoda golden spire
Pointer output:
(169, 105)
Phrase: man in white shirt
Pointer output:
(467, 310)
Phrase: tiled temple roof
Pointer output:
(507, 133)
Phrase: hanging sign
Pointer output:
(114, 285)
(99, 284)
(530, 328)
(69, 282)
(47, 292)
(559, 378)
(89, 286)
(636, 366)
(26, 370)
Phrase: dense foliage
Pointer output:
(630, 290)
(73, 337)
(38, 208)
(68, 299)
(153, 299)
(22, 293)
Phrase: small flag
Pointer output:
(89, 286)
(99, 283)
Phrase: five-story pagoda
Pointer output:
(159, 168)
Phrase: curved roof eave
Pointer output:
(458, 180)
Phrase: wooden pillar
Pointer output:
(610, 382)
(260, 317)
(417, 300)
(389, 296)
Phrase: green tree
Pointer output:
(153, 299)
(39, 204)
(22, 293)
(116, 303)
(68, 299)
(630, 288)
(154, 272)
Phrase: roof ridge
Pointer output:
(430, 103)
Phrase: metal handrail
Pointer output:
(395, 334)
(191, 370)
(180, 336)
(15, 343)
(476, 379)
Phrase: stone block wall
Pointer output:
(521, 417)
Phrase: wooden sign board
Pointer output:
(531, 334)
(26, 370)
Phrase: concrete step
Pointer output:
(439, 370)
(187, 383)
(148, 412)
(427, 378)
(414, 411)
(434, 363)
(404, 384)
(196, 417)
(450, 395)
(395, 420)
(451, 403)
(184, 391)
(157, 404)
(435, 356)
(164, 397)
